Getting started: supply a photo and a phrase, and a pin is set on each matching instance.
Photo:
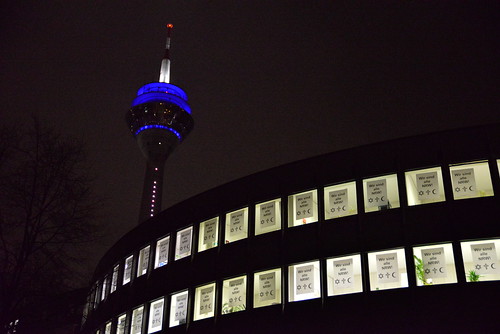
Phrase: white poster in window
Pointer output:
(128, 269)
(120, 326)
(343, 276)
(237, 293)
(237, 223)
(304, 205)
(427, 186)
(210, 233)
(434, 262)
(163, 247)
(268, 215)
(137, 321)
(304, 279)
(387, 268)
(376, 193)
(206, 300)
(484, 257)
(145, 260)
(114, 279)
(156, 315)
(267, 287)
(464, 182)
(181, 308)
(339, 204)
(185, 243)
(107, 330)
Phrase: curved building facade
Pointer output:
(400, 236)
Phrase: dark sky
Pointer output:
(269, 82)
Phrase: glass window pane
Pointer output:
(387, 269)
(234, 295)
(434, 264)
(143, 262)
(120, 327)
(179, 308)
(267, 288)
(107, 329)
(268, 216)
(104, 289)
(204, 301)
(340, 200)
(304, 281)
(162, 248)
(471, 180)
(137, 318)
(344, 275)
(424, 186)
(381, 193)
(183, 243)
(303, 208)
(155, 316)
(114, 278)
(208, 234)
(236, 225)
(481, 260)
(127, 271)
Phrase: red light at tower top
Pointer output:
(170, 25)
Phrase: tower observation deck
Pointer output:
(160, 119)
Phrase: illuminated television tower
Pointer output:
(160, 119)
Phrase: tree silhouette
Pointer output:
(47, 212)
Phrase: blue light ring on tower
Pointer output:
(162, 87)
(161, 97)
(158, 126)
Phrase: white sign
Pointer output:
(236, 293)
(128, 269)
(304, 205)
(157, 315)
(185, 242)
(434, 262)
(304, 279)
(343, 276)
(427, 186)
(387, 268)
(210, 233)
(484, 257)
(181, 308)
(145, 260)
(267, 215)
(338, 201)
(137, 321)
(464, 183)
(162, 248)
(206, 300)
(267, 287)
(376, 193)
(237, 223)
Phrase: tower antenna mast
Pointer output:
(165, 62)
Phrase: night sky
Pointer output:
(269, 82)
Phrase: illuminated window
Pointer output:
(234, 295)
(471, 180)
(104, 290)
(137, 319)
(143, 261)
(96, 294)
(179, 308)
(481, 260)
(208, 234)
(127, 271)
(162, 247)
(344, 275)
(424, 186)
(122, 321)
(434, 264)
(236, 225)
(268, 216)
(183, 243)
(387, 269)
(204, 302)
(340, 200)
(304, 281)
(155, 316)
(381, 193)
(303, 208)
(114, 278)
(107, 328)
(267, 288)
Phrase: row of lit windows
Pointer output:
(423, 186)
(433, 265)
